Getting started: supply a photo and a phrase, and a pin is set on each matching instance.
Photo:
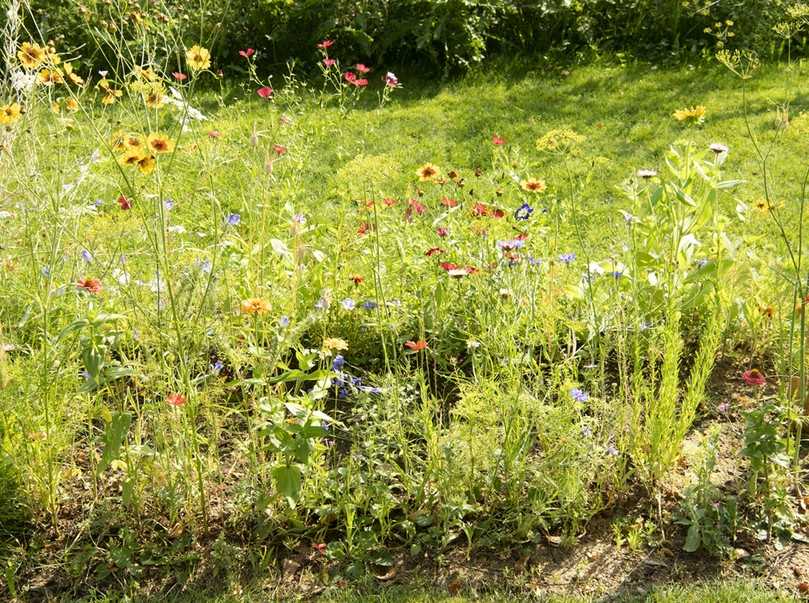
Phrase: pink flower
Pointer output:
(362, 68)
(124, 203)
(329, 62)
(264, 92)
(360, 83)
(279, 149)
(247, 53)
(754, 377)
(326, 44)
(179, 76)
(391, 80)
(497, 140)
(441, 231)
(350, 76)
(433, 251)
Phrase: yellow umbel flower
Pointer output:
(334, 344)
(198, 58)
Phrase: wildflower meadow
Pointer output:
(353, 329)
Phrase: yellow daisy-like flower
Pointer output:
(72, 75)
(532, 185)
(118, 140)
(56, 107)
(254, 306)
(111, 96)
(159, 143)
(427, 173)
(51, 56)
(72, 105)
(50, 77)
(334, 344)
(31, 55)
(198, 58)
(145, 74)
(153, 96)
(133, 141)
(131, 158)
(695, 114)
(10, 113)
(146, 164)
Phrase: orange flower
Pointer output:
(176, 399)
(255, 306)
(416, 346)
(91, 285)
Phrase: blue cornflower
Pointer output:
(283, 322)
(206, 266)
(233, 219)
(168, 204)
(338, 363)
(523, 212)
(567, 258)
(579, 395)
(617, 273)
(217, 367)
(348, 304)
(342, 393)
(86, 256)
(322, 304)
(369, 305)
(46, 272)
(612, 450)
(98, 203)
(534, 261)
(299, 219)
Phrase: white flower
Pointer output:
(177, 229)
(646, 173)
(718, 147)
(23, 82)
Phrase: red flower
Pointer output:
(754, 377)
(320, 548)
(264, 92)
(364, 228)
(448, 266)
(498, 213)
(497, 140)
(441, 231)
(416, 346)
(447, 202)
(522, 236)
(361, 83)
(176, 399)
(416, 206)
(91, 285)
(279, 149)
(357, 279)
(480, 209)
(124, 202)
(389, 202)
(214, 134)
(329, 62)
(326, 44)
(247, 53)
(350, 76)
(362, 68)
(433, 251)
(179, 76)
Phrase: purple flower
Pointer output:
(86, 256)
(299, 219)
(233, 219)
(46, 272)
(523, 212)
(322, 304)
(510, 245)
(348, 304)
(168, 204)
(567, 258)
(612, 450)
(338, 363)
(586, 431)
(217, 367)
(579, 395)
(723, 407)
(369, 305)
(283, 322)
(98, 203)
(534, 261)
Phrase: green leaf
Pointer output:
(288, 481)
(692, 539)
(114, 438)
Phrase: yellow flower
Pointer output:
(198, 58)
(56, 107)
(146, 164)
(72, 75)
(131, 158)
(160, 143)
(695, 114)
(427, 173)
(145, 74)
(72, 104)
(49, 77)
(532, 185)
(111, 96)
(559, 140)
(334, 344)
(254, 306)
(153, 96)
(118, 140)
(133, 141)
(52, 56)
(31, 55)
(10, 113)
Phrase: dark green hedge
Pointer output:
(439, 35)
